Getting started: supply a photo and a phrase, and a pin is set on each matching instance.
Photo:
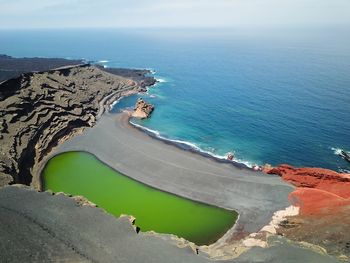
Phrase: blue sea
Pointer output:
(273, 96)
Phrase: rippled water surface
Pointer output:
(279, 97)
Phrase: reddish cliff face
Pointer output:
(319, 191)
(323, 197)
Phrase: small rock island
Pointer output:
(142, 109)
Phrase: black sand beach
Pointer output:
(254, 195)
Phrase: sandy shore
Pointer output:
(256, 196)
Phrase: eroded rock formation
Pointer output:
(39, 110)
(142, 109)
(323, 197)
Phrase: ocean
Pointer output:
(273, 96)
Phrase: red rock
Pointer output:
(319, 178)
(317, 202)
(323, 198)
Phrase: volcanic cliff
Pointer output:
(40, 110)
(323, 197)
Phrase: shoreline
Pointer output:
(186, 146)
(244, 234)
(255, 238)
(103, 153)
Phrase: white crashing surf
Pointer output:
(103, 61)
(160, 80)
(190, 145)
(156, 133)
(114, 103)
(339, 151)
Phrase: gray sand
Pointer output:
(254, 195)
(40, 227)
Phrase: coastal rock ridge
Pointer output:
(39, 110)
(323, 198)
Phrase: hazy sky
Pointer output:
(172, 13)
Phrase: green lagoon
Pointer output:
(80, 173)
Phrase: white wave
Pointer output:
(146, 129)
(191, 145)
(337, 151)
(152, 71)
(161, 80)
(116, 102)
(246, 163)
(103, 61)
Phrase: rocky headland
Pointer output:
(323, 198)
(42, 109)
(141, 76)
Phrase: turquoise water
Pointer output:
(274, 97)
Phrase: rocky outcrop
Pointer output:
(138, 75)
(322, 179)
(39, 110)
(323, 197)
(345, 155)
(142, 109)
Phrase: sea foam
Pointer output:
(337, 151)
(189, 145)
(161, 80)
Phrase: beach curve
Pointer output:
(255, 196)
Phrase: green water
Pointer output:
(80, 173)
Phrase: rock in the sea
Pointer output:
(142, 109)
